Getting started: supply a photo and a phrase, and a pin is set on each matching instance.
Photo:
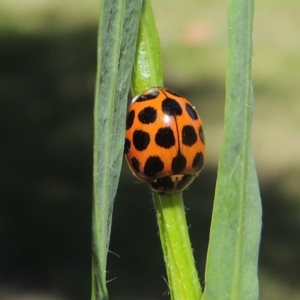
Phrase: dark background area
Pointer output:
(46, 93)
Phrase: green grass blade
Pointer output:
(147, 71)
(231, 267)
(118, 29)
(182, 274)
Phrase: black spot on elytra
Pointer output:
(153, 165)
(165, 137)
(191, 111)
(171, 107)
(126, 146)
(135, 164)
(201, 135)
(178, 163)
(141, 140)
(198, 161)
(149, 96)
(148, 115)
(130, 119)
(189, 135)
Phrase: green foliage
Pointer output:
(231, 269)
(147, 70)
(178, 254)
(182, 274)
(118, 28)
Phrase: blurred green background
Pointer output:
(47, 76)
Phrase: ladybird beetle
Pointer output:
(164, 140)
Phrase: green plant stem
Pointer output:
(182, 274)
(147, 69)
(147, 72)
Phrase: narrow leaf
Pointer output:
(118, 29)
(231, 268)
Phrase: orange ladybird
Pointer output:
(164, 140)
